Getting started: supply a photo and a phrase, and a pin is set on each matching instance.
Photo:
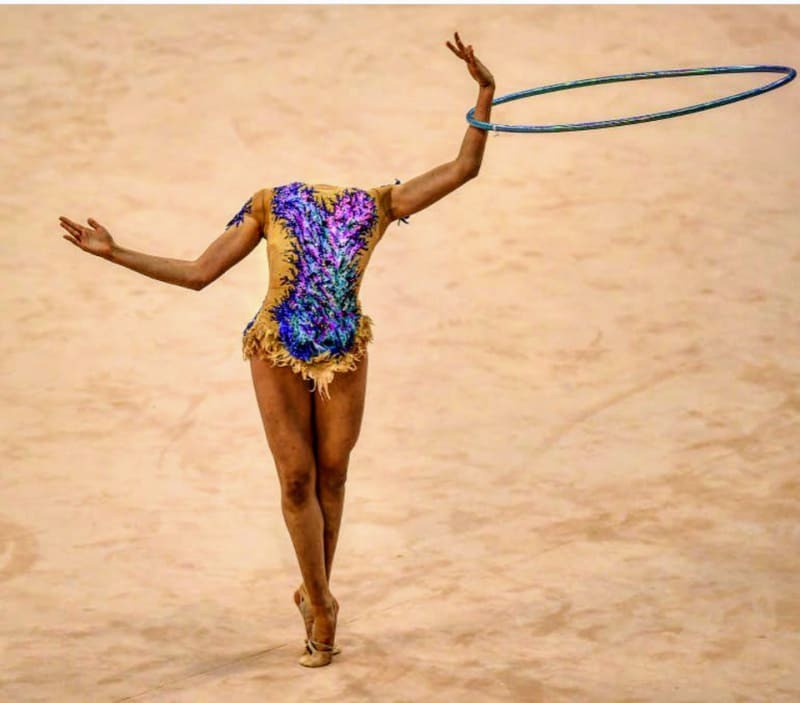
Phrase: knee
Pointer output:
(297, 485)
(332, 474)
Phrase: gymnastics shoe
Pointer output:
(308, 617)
(320, 653)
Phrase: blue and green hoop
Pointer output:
(620, 122)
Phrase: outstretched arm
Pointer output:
(240, 237)
(424, 190)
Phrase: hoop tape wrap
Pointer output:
(622, 121)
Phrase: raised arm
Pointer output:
(424, 190)
(240, 237)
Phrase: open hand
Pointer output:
(476, 69)
(95, 239)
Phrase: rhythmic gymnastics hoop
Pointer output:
(620, 122)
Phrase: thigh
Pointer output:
(337, 420)
(285, 404)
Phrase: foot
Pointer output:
(301, 601)
(304, 606)
(319, 647)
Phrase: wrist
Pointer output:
(113, 252)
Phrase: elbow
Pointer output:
(201, 282)
(198, 279)
(470, 171)
(467, 169)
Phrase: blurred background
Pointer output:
(576, 477)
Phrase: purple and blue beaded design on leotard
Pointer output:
(238, 218)
(320, 312)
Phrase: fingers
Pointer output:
(466, 50)
(71, 227)
(75, 232)
(460, 51)
(70, 239)
(67, 222)
(463, 52)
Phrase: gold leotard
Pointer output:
(319, 242)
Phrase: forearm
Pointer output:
(175, 271)
(471, 154)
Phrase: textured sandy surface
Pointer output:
(577, 478)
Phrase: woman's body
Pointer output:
(309, 435)
(320, 240)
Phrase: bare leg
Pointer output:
(286, 411)
(331, 501)
(337, 423)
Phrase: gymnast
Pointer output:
(310, 329)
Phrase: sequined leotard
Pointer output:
(319, 241)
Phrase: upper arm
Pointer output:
(418, 193)
(242, 234)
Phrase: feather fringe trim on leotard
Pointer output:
(262, 341)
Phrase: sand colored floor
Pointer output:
(577, 477)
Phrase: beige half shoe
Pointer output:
(308, 617)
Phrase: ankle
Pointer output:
(324, 608)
